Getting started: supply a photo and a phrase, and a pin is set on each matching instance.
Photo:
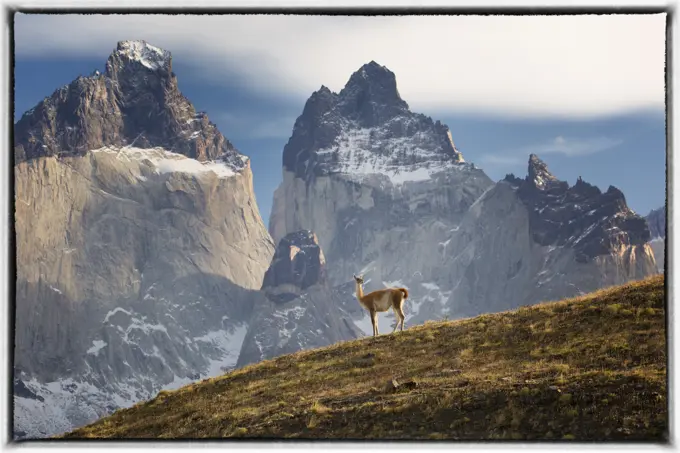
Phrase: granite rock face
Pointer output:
(297, 309)
(137, 266)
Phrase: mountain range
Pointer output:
(143, 262)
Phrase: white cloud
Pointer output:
(572, 66)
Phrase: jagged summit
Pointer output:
(368, 129)
(581, 217)
(149, 56)
(372, 72)
(370, 97)
(135, 102)
(538, 172)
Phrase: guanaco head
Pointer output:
(359, 279)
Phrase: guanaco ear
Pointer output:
(355, 277)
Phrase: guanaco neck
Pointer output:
(360, 291)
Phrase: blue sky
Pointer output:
(589, 106)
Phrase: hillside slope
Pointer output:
(589, 368)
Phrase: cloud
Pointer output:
(566, 66)
(570, 147)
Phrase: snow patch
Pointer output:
(586, 233)
(150, 56)
(114, 311)
(164, 161)
(68, 404)
(97, 346)
(480, 197)
(228, 343)
(430, 286)
(298, 312)
(359, 152)
(395, 284)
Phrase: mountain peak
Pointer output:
(581, 217)
(367, 129)
(372, 74)
(144, 53)
(371, 96)
(538, 172)
(373, 69)
(135, 101)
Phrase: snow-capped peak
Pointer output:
(150, 56)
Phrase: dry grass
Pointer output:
(589, 368)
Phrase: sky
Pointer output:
(584, 93)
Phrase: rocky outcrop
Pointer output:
(298, 263)
(137, 266)
(297, 308)
(656, 219)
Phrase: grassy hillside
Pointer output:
(589, 368)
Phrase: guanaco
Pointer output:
(381, 300)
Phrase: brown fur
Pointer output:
(380, 301)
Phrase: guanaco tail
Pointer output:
(382, 300)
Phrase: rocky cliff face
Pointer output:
(297, 308)
(389, 195)
(656, 220)
(137, 266)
